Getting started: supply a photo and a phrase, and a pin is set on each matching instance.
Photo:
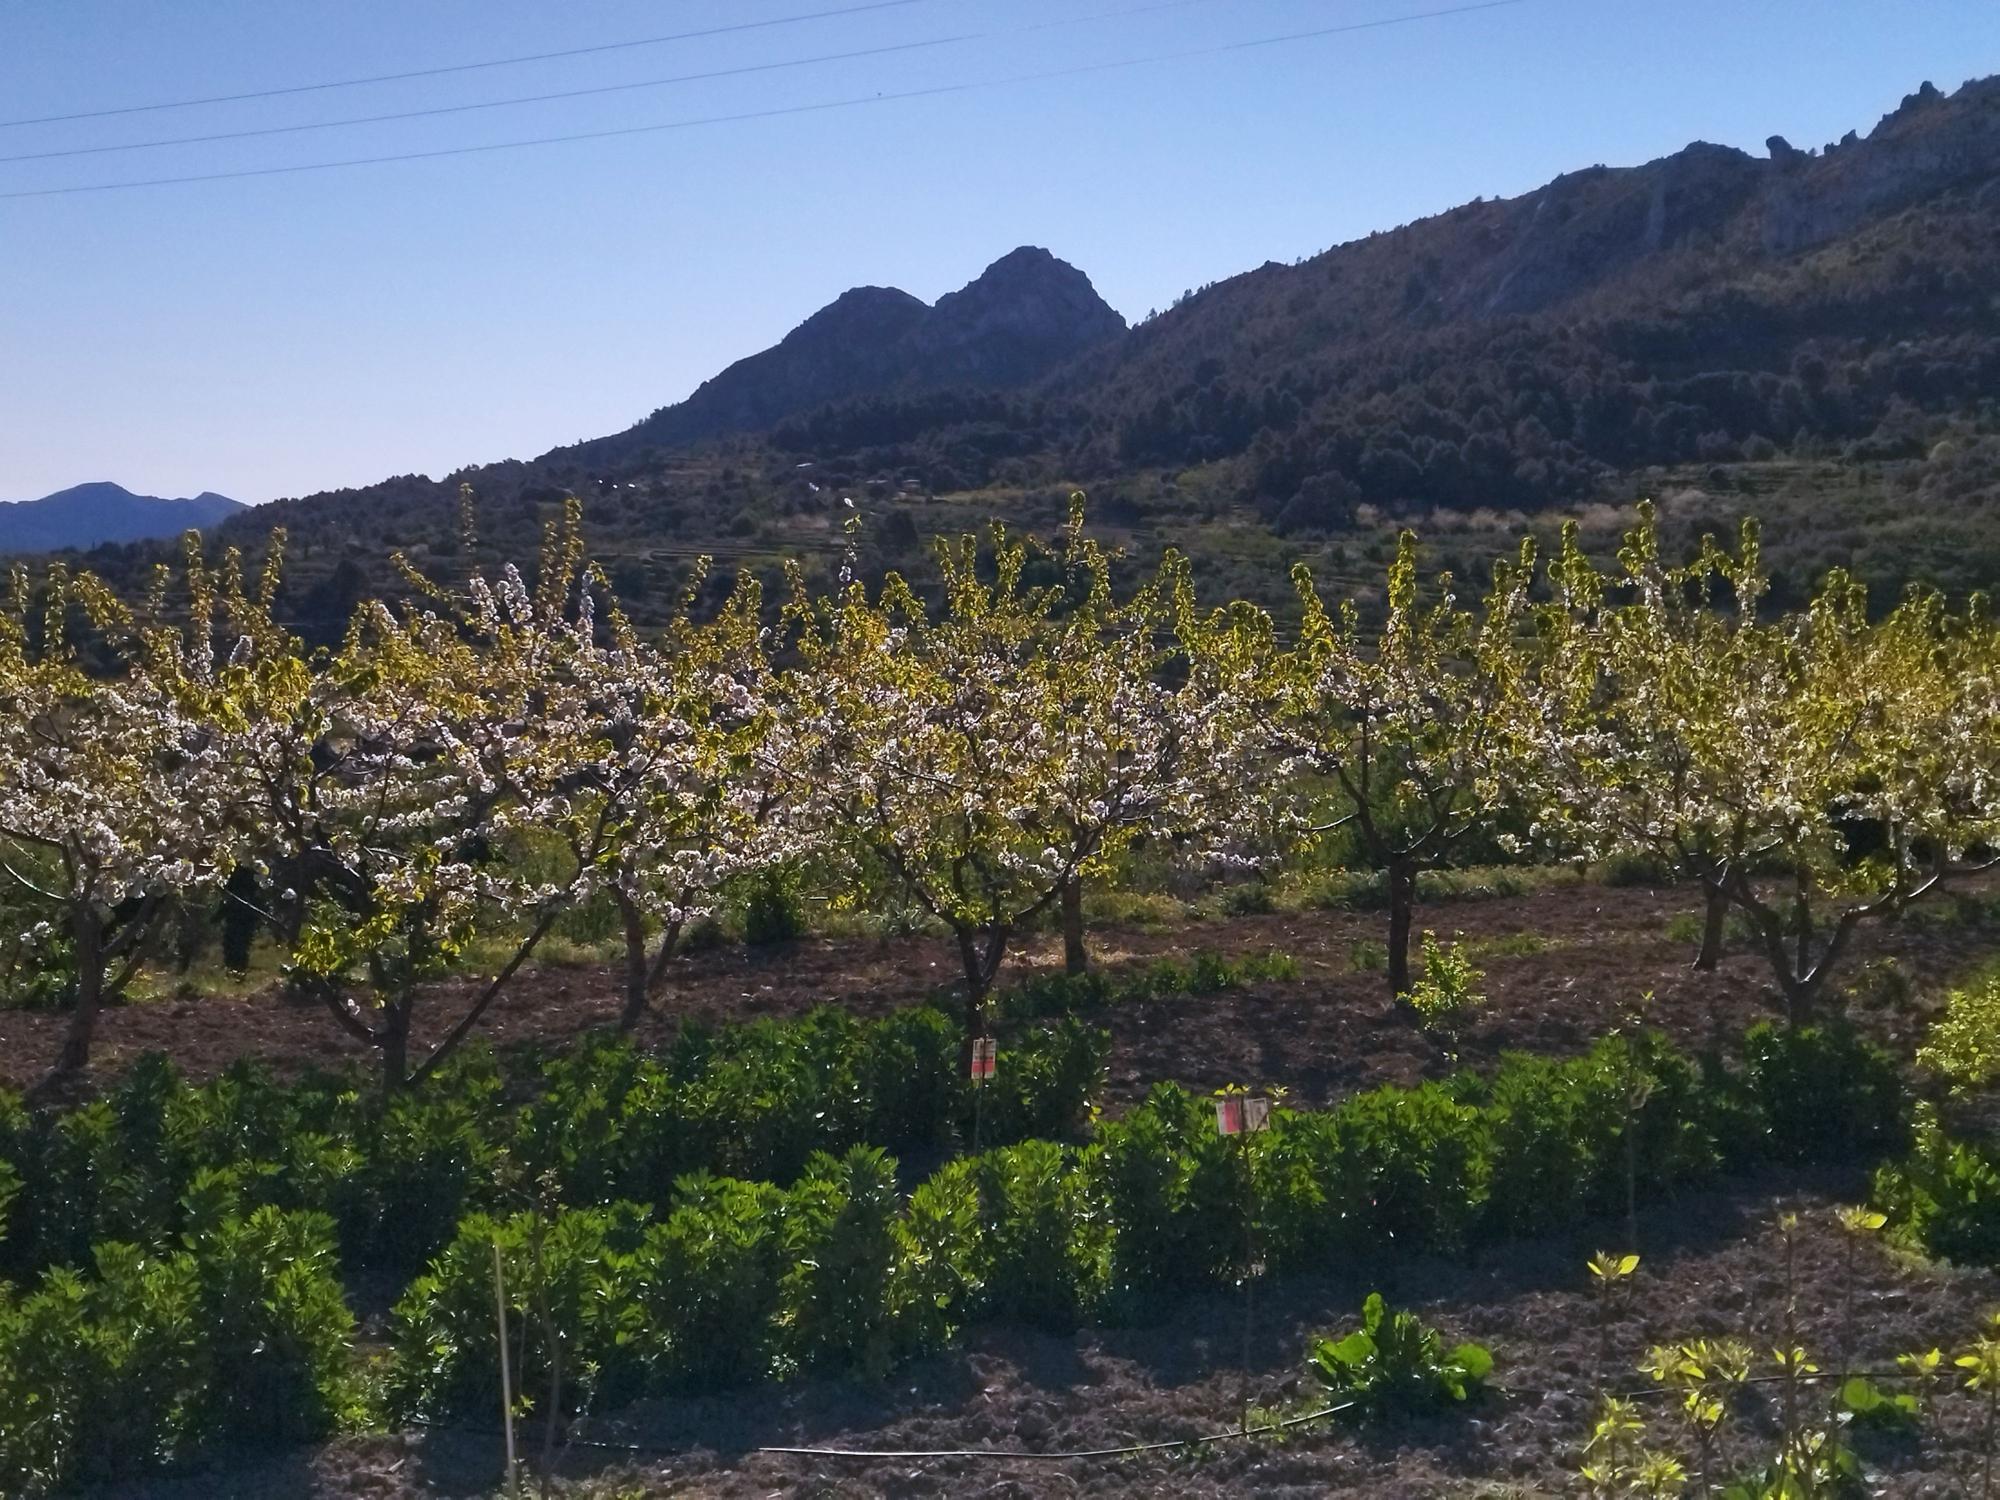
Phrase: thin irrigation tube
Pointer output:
(1238, 1432)
(1008, 1454)
(1021, 1453)
(1013, 1455)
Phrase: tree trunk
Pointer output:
(87, 930)
(638, 972)
(1802, 978)
(393, 1040)
(242, 915)
(1715, 916)
(1802, 921)
(1076, 958)
(982, 963)
(1402, 910)
(1801, 998)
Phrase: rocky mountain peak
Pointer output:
(1024, 314)
(874, 314)
(1021, 317)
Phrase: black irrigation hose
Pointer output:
(1247, 1432)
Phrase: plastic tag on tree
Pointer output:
(984, 1052)
(1242, 1114)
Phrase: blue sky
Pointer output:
(275, 335)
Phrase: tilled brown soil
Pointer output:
(1714, 1265)
(1332, 1030)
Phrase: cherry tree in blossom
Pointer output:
(990, 755)
(113, 805)
(390, 780)
(1416, 727)
(683, 778)
(1815, 770)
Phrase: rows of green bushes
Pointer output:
(746, 1281)
(599, 1123)
(237, 1335)
(208, 1311)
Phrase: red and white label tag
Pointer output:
(985, 1051)
(1242, 1114)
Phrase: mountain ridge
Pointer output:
(1612, 330)
(1016, 321)
(99, 512)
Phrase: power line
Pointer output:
(884, 50)
(508, 62)
(778, 112)
(457, 109)
(471, 67)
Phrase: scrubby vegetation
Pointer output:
(1616, 333)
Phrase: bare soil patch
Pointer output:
(1332, 1030)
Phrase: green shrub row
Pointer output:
(231, 1328)
(746, 1281)
(603, 1122)
(394, 1176)
(239, 1337)
(613, 1123)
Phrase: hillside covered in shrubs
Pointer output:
(1812, 328)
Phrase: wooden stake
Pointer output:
(1249, 1272)
(506, 1374)
(1243, 1116)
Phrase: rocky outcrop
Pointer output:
(1930, 143)
(1585, 228)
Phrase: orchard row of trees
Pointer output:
(493, 754)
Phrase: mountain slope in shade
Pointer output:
(87, 515)
(1026, 314)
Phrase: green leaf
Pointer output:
(1475, 1359)
(1354, 1351)
(1859, 1396)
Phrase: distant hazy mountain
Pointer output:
(88, 514)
